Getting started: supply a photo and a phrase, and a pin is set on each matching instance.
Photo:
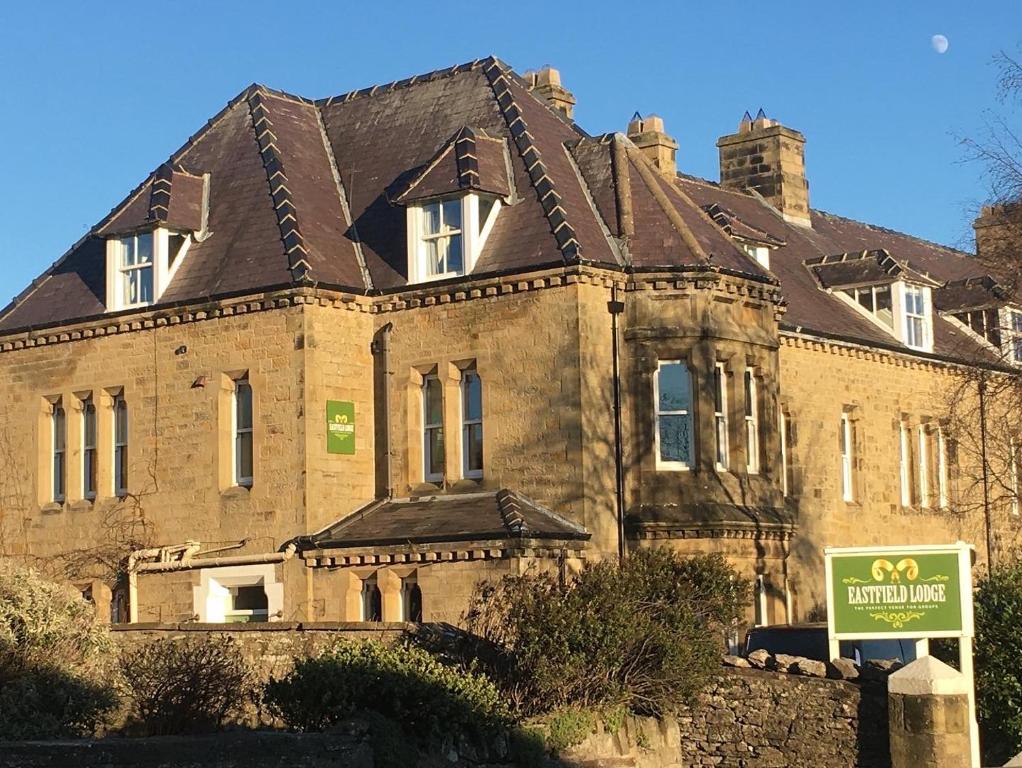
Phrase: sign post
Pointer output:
(913, 592)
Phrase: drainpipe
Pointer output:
(986, 470)
(615, 308)
(186, 550)
(381, 347)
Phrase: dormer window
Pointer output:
(442, 238)
(135, 270)
(140, 266)
(1014, 335)
(446, 235)
(875, 299)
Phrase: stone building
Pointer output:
(342, 359)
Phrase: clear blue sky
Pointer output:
(96, 94)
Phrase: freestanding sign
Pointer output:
(914, 592)
(340, 427)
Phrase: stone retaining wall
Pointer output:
(748, 717)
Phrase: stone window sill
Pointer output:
(237, 492)
(82, 505)
(51, 508)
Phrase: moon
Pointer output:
(939, 43)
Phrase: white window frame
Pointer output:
(163, 270)
(905, 463)
(210, 596)
(847, 458)
(752, 459)
(943, 499)
(722, 446)
(89, 452)
(120, 446)
(428, 427)
(661, 464)
(922, 293)
(58, 454)
(474, 232)
(237, 433)
(785, 490)
(899, 304)
(1011, 336)
(467, 424)
(924, 466)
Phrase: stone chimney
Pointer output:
(647, 133)
(547, 85)
(998, 231)
(769, 158)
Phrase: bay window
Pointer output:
(675, 445)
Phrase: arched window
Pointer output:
(675, 445)
(432, 429)
(411, 600)
(372, 600)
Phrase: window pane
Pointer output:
(915, 331)
(434, 260)
(127, 251)
(454, 260)
(434, 402)
(675, 388)
(435, 450)
(718, 390)
(59, 428)
(1016, 321)
(144, 254)
(90, 425)
(883, 304)
(250, 598)
(145, 285)
(865, 298)
(474, 447)
(244, 456)
(452, 215)
(121, 470)
(749, 393)
(58, 477)
(473, 397)
(121, 421)
(243, 400)
(431, 218)
(676, 438)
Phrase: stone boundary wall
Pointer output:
(764, 712)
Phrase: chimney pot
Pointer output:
(546, 83)
(779, 172)
(647, 133)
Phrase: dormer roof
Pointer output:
(171, 197)
(470, 161)
(969, 294)
(868, 267)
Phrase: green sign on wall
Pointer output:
(340, 427)
(912, 592)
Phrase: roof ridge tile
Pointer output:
(283, 202)
(437, 74)
(564, 233)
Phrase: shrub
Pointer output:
(569, 727)
(186, 685)
(55, 660)
(646, 635)
(406, 684)
(998, 648)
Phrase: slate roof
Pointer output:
(448, 518)
(304, 192)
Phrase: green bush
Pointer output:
(186, 685)
(569, 727)
(55, 660)
(646, 635)
(406, 684)
(997, 649)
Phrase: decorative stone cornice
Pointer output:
(440, 553)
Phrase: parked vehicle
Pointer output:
(810, 641)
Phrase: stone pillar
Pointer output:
(390, 591)
(929, 716)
